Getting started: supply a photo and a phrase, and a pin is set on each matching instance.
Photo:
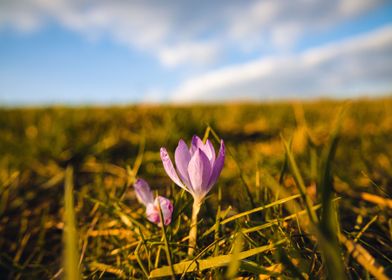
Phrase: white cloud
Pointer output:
(279, 24)
(187, 32)
(194, 53)
(25, 16)
(362, 64)
(142, 25)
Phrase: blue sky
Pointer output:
(105, 52)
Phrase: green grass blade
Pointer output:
(261, 208)
(235, 262)
(328, 223)
(213, 262)
(325, 183)
(139, 260)
(276, 221)
(167, 245)
(218, 221)
(206, 133)
(254, 268)
(300, 182)
(358, 236)
(71, 252)
(107, 268)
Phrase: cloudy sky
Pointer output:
(104, 52)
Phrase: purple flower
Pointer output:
(198, 168)
(144, 195)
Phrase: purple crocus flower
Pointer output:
(144, 195)
(198, 168)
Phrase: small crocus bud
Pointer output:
(145, 196)
(152, 210)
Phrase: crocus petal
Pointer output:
(143, 192)
(182, 158)
(207, 148)
(196, 143)
(210, 151)
(169, 168)
(218, 165)
(167, 208)
(199, 170)
(153, 214)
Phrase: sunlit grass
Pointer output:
(305, 192)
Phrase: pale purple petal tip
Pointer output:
(199, 170)
(182, 158)
(210, 151)
(169, 168)
(143, 192)
(218, 165)
(196, 143)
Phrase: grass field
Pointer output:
(305, 192)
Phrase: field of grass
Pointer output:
(305, 192)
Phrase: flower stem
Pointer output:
(193, 230)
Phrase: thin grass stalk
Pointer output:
(213, 262)
(328, 223)
(362, 256)
(71, 254)
(218, 220)
(235, 263)
(167, 246)
(139, 260)
(300, 183)
(198, 256)
(362, 231)
(146, 248)
(261, 208)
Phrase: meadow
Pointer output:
(305, 192)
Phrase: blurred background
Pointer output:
(115, 52)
